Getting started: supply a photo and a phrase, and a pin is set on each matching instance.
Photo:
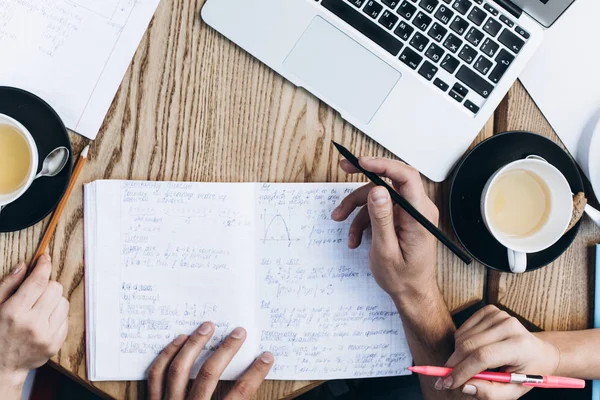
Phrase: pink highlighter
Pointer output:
(538, 381)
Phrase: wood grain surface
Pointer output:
(194, 107)
(559, 296)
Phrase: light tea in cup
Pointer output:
(527, 206)
(519, 203)
(15, 159)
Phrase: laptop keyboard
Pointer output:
(463, 47)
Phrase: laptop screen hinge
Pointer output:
(510, 7)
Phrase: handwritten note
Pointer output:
(72, 53)
(161, 258)
(321, 312)
(169, 257)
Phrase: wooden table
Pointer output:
(194, 107)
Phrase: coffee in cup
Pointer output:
(18, 160)
(527, 207)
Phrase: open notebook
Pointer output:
(163, 257)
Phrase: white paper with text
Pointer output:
(321, 313)
(167, 257)
(71, 53)
(161, 258)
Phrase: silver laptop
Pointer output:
(421, 77)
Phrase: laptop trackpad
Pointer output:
(340, 71)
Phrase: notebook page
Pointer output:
(89, 232)
(320, 311)
(71, 53)
(169, 256)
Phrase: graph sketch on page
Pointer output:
(71, 53)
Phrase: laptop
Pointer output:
(421, 77)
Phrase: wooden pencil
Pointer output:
(61, 206)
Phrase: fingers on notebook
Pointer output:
(381, 212)
(249, 383)
(170, 373)
(178, 375)
(35, 284)
(158, 371)
(354, 200)
(211, 371)
(359, 225)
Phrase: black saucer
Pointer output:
(49, 132)
(471, 176)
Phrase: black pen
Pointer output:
(402, 202)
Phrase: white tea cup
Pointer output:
(559, 212)
(7, 198)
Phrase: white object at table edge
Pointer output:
(594, 161)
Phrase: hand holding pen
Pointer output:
(527, 380)
(493, 339)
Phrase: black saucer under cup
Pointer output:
(49, 132)
(470, 178)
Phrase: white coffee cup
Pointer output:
(6, 199)
(559, 216)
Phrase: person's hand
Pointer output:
(33, 321)
(169, 375)
(493, 339)
(402, 254)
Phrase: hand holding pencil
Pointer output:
(402, 253)
(401, 200)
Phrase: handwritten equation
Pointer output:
(148, 322)
(54, 24)
(162, 223)
(183, 247)
(321, 312)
